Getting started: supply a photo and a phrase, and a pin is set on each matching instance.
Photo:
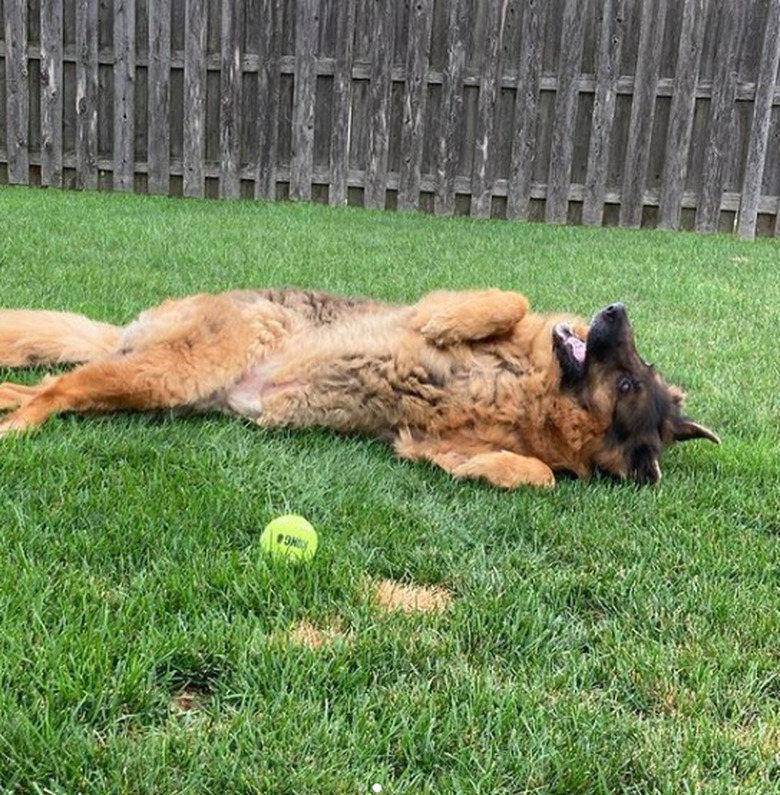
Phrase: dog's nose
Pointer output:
(614, 311)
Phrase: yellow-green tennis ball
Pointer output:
(289, 536)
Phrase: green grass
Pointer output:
(602, 638)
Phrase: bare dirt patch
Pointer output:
(306, 634)
(392, 596)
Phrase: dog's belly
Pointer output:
(334, 397)
(249, 395)
(373, 391)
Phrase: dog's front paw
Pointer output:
(507, 470)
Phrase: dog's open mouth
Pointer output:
(570, 350)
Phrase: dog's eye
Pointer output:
(625, 385)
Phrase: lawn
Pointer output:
(599, 637)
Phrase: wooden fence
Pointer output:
(633, 112)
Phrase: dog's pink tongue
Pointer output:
(577, 348)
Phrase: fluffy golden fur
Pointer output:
(471, 381)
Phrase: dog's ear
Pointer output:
(685, 429)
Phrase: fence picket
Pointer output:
(18, 98)
(415, 98)
(86, 94)
(379, 104)
(451, 108)
(124, 94)
(610, 47)
(566, 96)
(759, 131)
(230, 99)
(482, 177)
(159, 95)
(51, 96)
(678, 139)
(642, 111)
(268, 97)
(342, 102)
(306, 23)
(526, 109)
(194, 97)
(721, 121)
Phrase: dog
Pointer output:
(471, 381)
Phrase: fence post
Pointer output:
(86, 93)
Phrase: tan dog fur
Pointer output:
(468, 380)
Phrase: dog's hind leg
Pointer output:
(13, 395)
(29, 337)
(188, 364)
(150, 380)
(447, 318)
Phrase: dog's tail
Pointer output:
(30, 337)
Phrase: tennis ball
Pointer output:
(289, 536)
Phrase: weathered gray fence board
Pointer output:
(562, 149)
(678, 139)
(159, 95)
(642, 110)
(124, 94)
(17, 97)
(230, 99)
(268, 98)
(379, 103)
(51, 96)
(721, 118)
(451, 108)
(526, 108)
(194, 97)
(608, 64)
(306, 24)
(86, 94)
(481, 187)
(342, 102)
(415, 98)
(759, 133)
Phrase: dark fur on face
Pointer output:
(644, 412)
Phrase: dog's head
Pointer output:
(641, 412)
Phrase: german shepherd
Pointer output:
(471, 381)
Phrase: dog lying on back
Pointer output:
(470, 381)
